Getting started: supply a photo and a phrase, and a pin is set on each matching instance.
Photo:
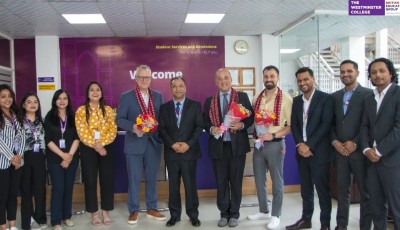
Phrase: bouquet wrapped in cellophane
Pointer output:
(263, 119)
(236, 112)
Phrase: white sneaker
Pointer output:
(274, 223)
(259, 216)
(35, 226)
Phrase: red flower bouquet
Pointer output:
(236, 112)
(263, 119)
(146, 123)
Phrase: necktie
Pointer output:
(226, 136)
(224, 104)
(177, 112)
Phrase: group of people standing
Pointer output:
(361, 127)
(28, 144)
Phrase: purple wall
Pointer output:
(110, 60)
(25, 67)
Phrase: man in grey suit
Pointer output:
(349, 159)
(143, 150)
(380, 142)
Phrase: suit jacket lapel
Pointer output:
(171, 112)
(354, 98)
(385, 99)
(341, 111)
(313, 104)
(185, 110)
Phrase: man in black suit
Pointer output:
(380, 142)
(311, 121)
(180, 126)
(349, 159)
(227, 149)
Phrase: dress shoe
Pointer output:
(325, 228)
(300, 224)
(195, 222)
(340, 228)
(172, 221)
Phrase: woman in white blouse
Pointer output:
(12, 143)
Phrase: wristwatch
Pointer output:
(273, 136)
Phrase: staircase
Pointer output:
(333, 61)
(325, 76)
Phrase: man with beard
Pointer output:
(349, 159)
(311, 121)
(270, 157)
(380, 142)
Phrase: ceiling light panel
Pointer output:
(204, 18)
(84, 18)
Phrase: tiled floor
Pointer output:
(209, 216)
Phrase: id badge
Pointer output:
(96, 135)
(16, 147)
(62, 143)
(36, 147)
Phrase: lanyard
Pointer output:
(32, 127)
(63, 126)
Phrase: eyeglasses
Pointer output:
(143, 78)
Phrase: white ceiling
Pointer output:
(134, 18)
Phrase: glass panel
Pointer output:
(298, 49)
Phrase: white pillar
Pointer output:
(47, 65)
(270, 55)
(353, 48)
(381, 43)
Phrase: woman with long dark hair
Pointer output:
(33, 182)
(12, 143)
(62, 158)
(97, 129)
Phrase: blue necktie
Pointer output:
(177, 112)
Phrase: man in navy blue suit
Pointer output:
(180, 126)
(312, 117)
(143, 150)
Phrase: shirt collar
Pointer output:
(383, 93)
(305, 100)
(182, 101)
(344, 89)
(222, 93)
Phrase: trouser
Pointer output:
(33, 184)
(62, 185)
(10, 181)
(94, 165)
(229, 175)
(269, 158)
(185, 169)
